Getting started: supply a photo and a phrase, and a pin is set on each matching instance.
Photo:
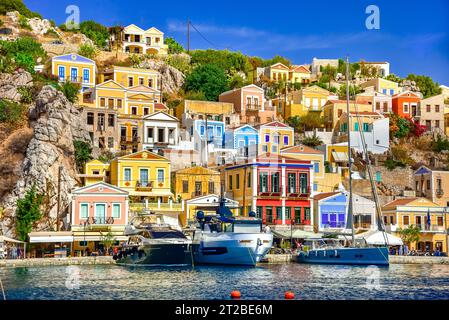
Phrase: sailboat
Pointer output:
(329, 251)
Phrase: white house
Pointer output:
(160, 131)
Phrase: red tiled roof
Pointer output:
(160, 106)
(324, 195)
(301, 149)
(399, 202)
(344, 101)
(366, 113)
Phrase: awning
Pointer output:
(297, 234)
(6, 239)
(47, 237)
(378, 238)
(98, 238)
(340, 156)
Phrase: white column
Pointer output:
(254, 185)
(312, 172)
(146, 203)
(170, 201)
(284, 189)
(283, 211)
(166, 134)
(158, 202)
(155, 134)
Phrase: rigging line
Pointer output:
(207, 40)
(368, 164)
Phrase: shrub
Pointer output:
(313, 141)
(23, 22)
(26, 94)
(173, 46)
(25, 61)
(87, 51)
(11, 112)
(209, 79)
(52, 33)
(440, 144)
(17, 5)
(28, 212)
(23, 52)
(1, 23)
(70, 90)
(98, 33)
(180, 62)
(83, 152)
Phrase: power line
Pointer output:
(204, 37)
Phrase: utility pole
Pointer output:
(188, 35)
(59, 198)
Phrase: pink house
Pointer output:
(99, 204)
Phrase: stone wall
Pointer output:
(39, 262)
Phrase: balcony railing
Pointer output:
(198, 194)
(144, 185)
(141, 207)
(333, 225)
(75, 79)
(421, 227)
(126, 139)
(251, 106)
(98, 221)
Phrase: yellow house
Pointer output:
(274, 136)
(299, 74)
(337, 161)
(278, 72)
(195, 182)
(382, 85)
(403, 213)
(74, 68)
(133, 39)
(131, 77)
(308, 99)
(334, 109)
(95, 171)
(145, 175)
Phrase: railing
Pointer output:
(251, 106)
(198, 193)
(333, 225)
(74, 79)
(141, 207)
(144, 185)
(126, 139)
(98, 221)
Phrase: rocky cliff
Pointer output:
(55, 123)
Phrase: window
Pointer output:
(308, 102)
(278, 213)
(263, 182)
(141, 81)
(385, 106)
(110, 102)
(339, 113)
(100, 212)
(211, 187)
(307, 214)
(365, 127)
(356, 126)
(111, 120)
(264, 148)
(276, 138)
(391, 92)
(288, 213)
(150, 83)
(428, 108)
(285, 140)
(219, 131)
(267, 138)
(439, 221)
(198, 188)
(291, 183)
(298, 215)
(384, 91)
(127, 174)
(315, 103)
(237, 181)
(405, 108)
(202, 130)
(249, 180)
(116, 210)
(102, 102)
(101, 120)
(303, 183)
(185, 186)
(134, 110)
(160, 176)
(269, 214)
(315, 187)
(259, 211)
(274, 149)
(86, 75)
(61, 73)
(428, 184)
(130, 81)
(275, 182)
(74, 74)
(316, 167)
(406, 220)
(119, 103)
(90, 118)
(437, 123)
(230, 182)
(146, 111)
(377, 106)
(84, 210)
(437, 108)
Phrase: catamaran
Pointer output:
(329, 251)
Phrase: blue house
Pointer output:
(331, 211)
(244, 139)
(214, 134)
(75, 68)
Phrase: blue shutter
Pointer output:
(61, 73)
(317, 167)
(86, 75)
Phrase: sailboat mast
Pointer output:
(350, 207)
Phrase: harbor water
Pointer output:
(93, 282)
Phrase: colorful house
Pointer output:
(209, 205)
(334, 109)
(405, 104)
(299, 74)
(97, 210)
(428, 216)
(136, 40)
(274, 136)
(95, 171)
(431, 113)
(244, 139)
(433, 185)
(131, 77)
(196, 182)
(380, 102)
(192, 110)
(278, 72)
(381, 85)
(160, 131)
(307, 99)
(277, 188)
(331, 212)
(250, 104)
(74, 68)
(145, 175)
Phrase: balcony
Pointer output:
(198, 194)
(138, 207)
(129, 140)
(79, 80)
(144, 185)
(97, 221)
(251, 106)
(439, 192)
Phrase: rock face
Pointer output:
(56, 123)
(39, 26)
(172, 78)
(9, 83)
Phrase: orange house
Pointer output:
(406, 104)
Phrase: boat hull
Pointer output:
(349, 256)
(236, 249)
(165, 254)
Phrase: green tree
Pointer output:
(17, 5)
(87, 51)
(70, 90)
(312, 120)
(426, 85)
(208, 78)
(276, 59)
(107, 241)
(296, 123)
(330, 73)
(98, 33)
(28, 212)
(313, 141)
(173, 45)
(195, 95)
(232, 62)
(83, 152)
(440, 144)
(237, 81)
(353, 90)
(410, 235)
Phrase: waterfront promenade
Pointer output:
(270, 259)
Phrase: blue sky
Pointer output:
(413, 35)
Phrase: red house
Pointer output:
(405, 104)
(277, 188)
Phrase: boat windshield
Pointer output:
(166, 234)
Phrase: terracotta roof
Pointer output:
(324, 195)
(366, 113)
(160, 106)
(301, 149)
(344, 101)
(300, 68)
(398, 202)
